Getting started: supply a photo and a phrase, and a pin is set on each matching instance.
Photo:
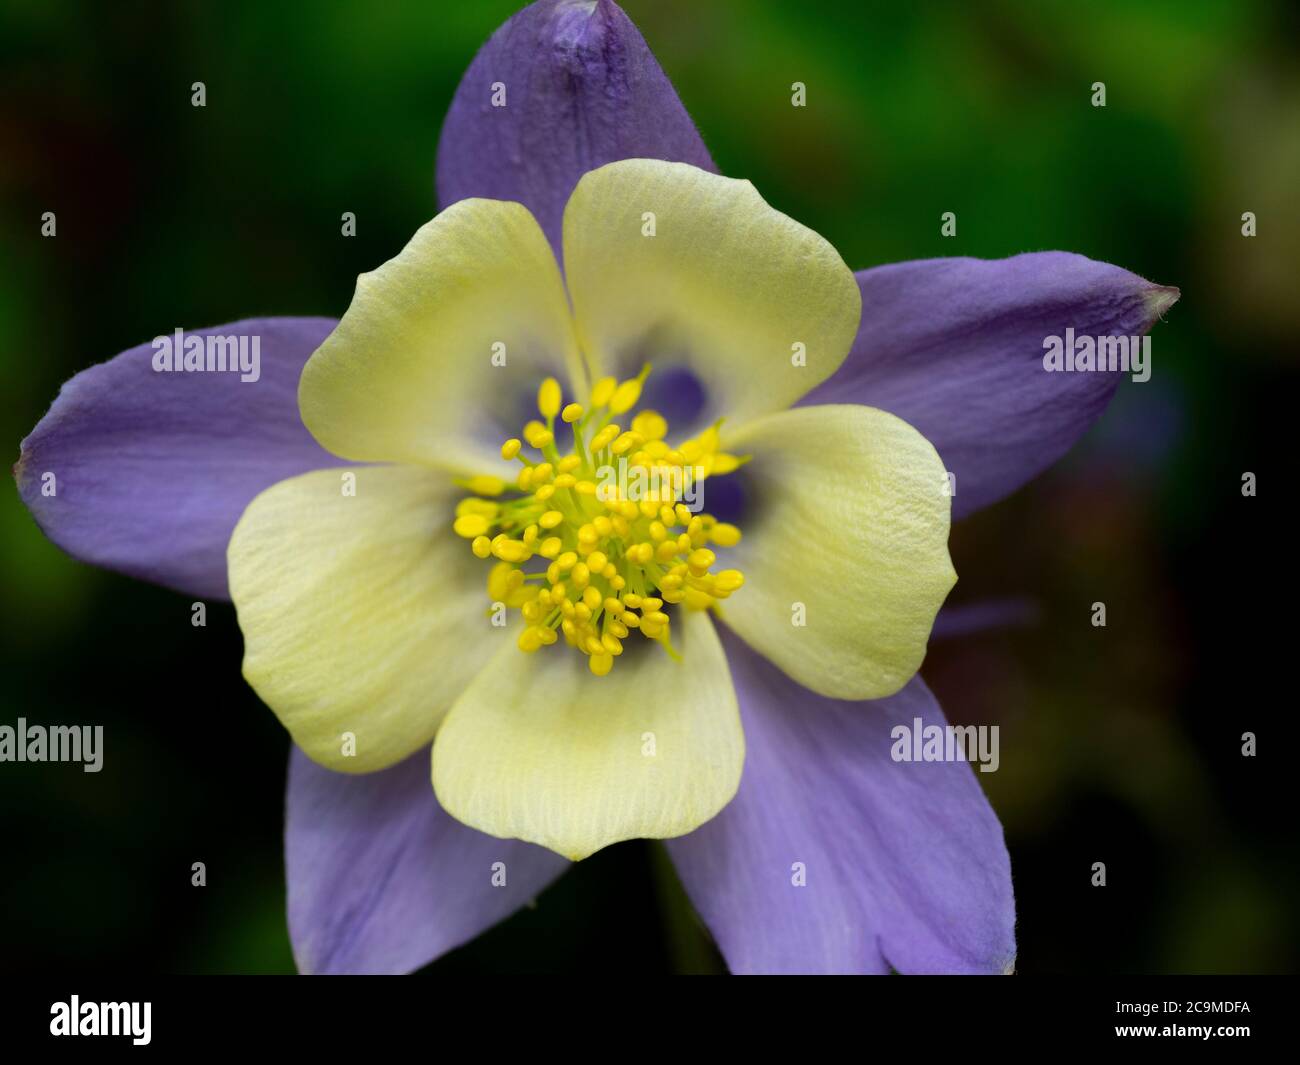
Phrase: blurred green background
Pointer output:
(1119, 744)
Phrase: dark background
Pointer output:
(1120, 744)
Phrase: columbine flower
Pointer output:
(586, 239)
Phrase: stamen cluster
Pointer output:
(616, 558)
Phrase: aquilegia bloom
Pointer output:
(444, 553)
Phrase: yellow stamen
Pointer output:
(628, 393)
(549, 398)
(471, 526)
(603, 390)
(606, 558)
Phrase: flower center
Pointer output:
(617, 518)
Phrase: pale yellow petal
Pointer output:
(761, 307)
(359, 612)
(470, 315)
(539, 749)
(845, 553)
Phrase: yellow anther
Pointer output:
(603, 391)
(485, 484)
(603, 526)
(510, 448)
(498, 582)
(550, 547)
(549, 398)
(512, 551)
(538, 435)
(581, 576)
(601, 664)
(585, 488)
(604, 438)
(565, 480)
(485, 507)
(530, 639)
(611, 644)
(729, 579)
(542, 472)
(725, 535)
(525, 479)
(628, 393)
(625, 443)
(470, 526)
(482, 546)
(569, 463)
(700, 560)
(550, 519)
(545, 492)
(571, 413)
(650, 424)
(591, 596)
(566, 561)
